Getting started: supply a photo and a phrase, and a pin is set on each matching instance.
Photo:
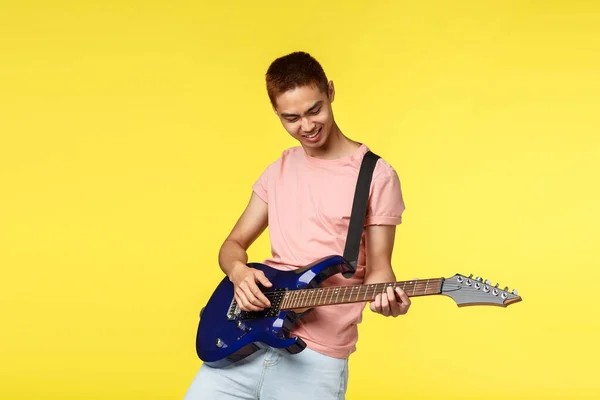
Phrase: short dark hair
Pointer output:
(294, 70)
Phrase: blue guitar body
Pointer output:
(226, 334)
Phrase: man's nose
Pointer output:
(307, 125)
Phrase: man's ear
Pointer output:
(331, 91)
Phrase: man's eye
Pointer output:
(292, 119)
(315, 112)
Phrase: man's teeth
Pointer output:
(313, 135)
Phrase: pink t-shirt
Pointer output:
(309, 205)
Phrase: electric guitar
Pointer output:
(226, 334)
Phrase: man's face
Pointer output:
(306, 114)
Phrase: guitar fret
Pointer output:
(414, 287)
(293, 299)
(311, 299)
(426, 284)
(288, 299)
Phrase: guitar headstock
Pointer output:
(468, 291)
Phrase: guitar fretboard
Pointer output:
(356, 293)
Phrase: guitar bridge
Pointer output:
(234, 311)
(275, 297)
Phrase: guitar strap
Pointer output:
(359, 210)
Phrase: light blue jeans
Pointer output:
(274, 374)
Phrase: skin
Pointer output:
(304, 111)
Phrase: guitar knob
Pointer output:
(241, 326)
(219, 343)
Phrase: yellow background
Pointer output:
(131, 132)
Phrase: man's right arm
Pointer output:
(233, 256)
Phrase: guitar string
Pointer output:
(306, 293)
(366, 287)
(380, 286)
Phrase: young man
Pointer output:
(305, 198)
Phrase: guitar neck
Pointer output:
(316, 297)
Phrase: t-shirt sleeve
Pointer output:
(260, 186)
(386, 204)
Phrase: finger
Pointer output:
(405, 301)
(240, 302)
(258, 297)
(376, 304)
(244, 303)
(263, 279)
(373, 306)
(252, 299)
(385, 305)
(248, 295)
(403, 296)
(394, 304)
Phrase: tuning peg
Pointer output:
(488, 282)
(470, 276)
(478, 279)
(514, 291)
(497, 284)
(506, 288)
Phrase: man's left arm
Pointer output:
(379, 244)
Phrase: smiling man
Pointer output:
(305, 199)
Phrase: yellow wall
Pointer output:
(132, 132)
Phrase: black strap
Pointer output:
(359, 209)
